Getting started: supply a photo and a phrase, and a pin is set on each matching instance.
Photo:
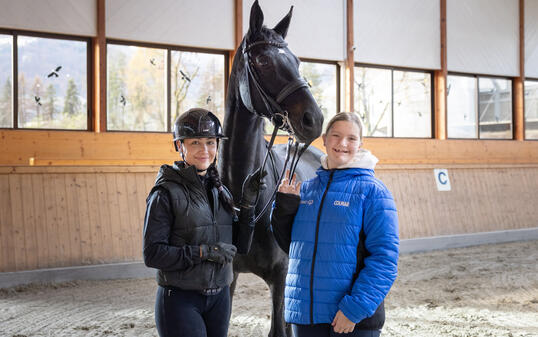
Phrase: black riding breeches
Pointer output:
(188, 313)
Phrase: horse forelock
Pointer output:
(265, 34)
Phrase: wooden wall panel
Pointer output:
(6, 231)
(19, 244)
(74, 148)
(53, 217)
(481, 200)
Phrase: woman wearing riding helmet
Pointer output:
(192, 232)
(341, 232)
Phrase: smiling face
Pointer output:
(342, 141)
(199, 152)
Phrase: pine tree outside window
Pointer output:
(52, 83)
(149, 86)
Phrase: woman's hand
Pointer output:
(290, 187)
(341, 324)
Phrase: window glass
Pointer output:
(6, 83)
(321, 78)
(136, 88)
(412, 104)
(373, 100)
(52, 83)
(495, 107)
(461, 107)
(197, 81)
(531, 109)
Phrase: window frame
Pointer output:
(396, 68)
(15, 73)
(532, 79)
(477, 77)
(169, 49)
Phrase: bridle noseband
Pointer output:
(273, 109)
(275, 112)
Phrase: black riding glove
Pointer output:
(219, 252)
(252, 185)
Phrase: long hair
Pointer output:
(214, 178)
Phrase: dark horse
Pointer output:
(274, 72)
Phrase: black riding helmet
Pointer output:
(197, 123)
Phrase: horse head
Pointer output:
(269, 81)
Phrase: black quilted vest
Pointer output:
(195, 223)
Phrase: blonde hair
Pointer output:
(346, 116)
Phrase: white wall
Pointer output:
(75, 17)
(398, 33)
(200, 23)
(531, 38)
(317, 28)
(483, 37)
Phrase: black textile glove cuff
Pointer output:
(245, 229)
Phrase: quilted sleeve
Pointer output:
(380, 223)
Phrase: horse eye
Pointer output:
(262, 60)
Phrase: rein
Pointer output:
(278, 116)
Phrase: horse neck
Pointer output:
(243, 152)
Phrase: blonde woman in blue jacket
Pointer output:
(340, 230)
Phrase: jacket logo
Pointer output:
(341, 203)
(307, 202)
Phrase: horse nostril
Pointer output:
(308, 121)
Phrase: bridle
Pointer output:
(275, 113)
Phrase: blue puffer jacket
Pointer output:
(334, 207)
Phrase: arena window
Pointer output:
(197, 80)
(394, 102)
(50, 88)
(139, 97)
(479, 107)
(323, 80)
(531, 109)
(6, 82)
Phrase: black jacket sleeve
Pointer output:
(158, 222)
(286, 206)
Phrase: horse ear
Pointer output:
(282, 27)
(256, 19)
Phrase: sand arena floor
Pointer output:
(478, 291)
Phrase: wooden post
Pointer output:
(238, 26)
(440, 77)
(99, 71)
(519, 82)
(349, 70)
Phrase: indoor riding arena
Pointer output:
(447, 92)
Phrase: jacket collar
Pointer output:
(179, 173)
(363, 159)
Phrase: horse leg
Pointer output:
(276, 283)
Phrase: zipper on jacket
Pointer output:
(316, 248)
(213, 210)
